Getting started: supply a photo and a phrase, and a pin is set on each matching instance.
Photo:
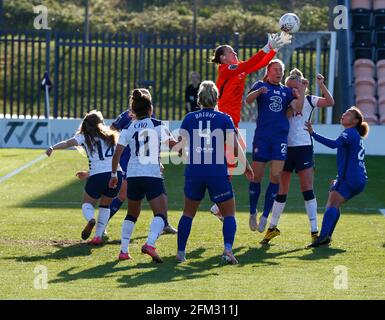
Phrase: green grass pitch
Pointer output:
(41, 221)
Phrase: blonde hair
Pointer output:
(208, 94)
(279, 61)
(93, 127)
(297, 75)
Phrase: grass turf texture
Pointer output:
(41, 221)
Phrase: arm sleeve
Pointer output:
(314, 100)
(184, 123)
(255, 86)
(290, 97)
(341, 140)
(123, 138)
(165, 134)
(263, 63)
(229, 126)
(235, 69)
(122, 121)
(79, 138)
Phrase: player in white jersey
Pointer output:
(99, 143)
(144, 177)
(300, 157)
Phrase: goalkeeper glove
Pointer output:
(277, 41)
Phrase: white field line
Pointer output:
(18, 170)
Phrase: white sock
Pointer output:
(278, 208)
(311, 209)
(104, 214)
(127, 229)
(88, 211)
(156, 228)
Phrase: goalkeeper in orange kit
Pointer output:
(231, 79)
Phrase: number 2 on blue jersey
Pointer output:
(361, 153)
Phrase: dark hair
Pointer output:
(218, 52)
(362, 126)
(93, 126)
(141, 102)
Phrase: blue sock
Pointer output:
(229, 229)
(254, 192)
(115, 206)
(184, 228)
(329, 221)
(335, 222)
(270, 195)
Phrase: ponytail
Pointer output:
(363, 129)
(141, 103)
(362, 126)
(93, 127)
(218, 52)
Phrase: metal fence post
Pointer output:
(56, 76)
(236, 41)
(142, 43)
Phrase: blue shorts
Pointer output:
(299, 158)
(348, 189)
(138, 187)
(219, 188)
(97, 185)
(266, 149)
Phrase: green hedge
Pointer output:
(243, 16)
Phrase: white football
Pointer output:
(289, 23)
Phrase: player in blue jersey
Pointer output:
(270, 138)
(205, 134)
(144, 177)
(300, 156)
(122, 122)
(351, 178)
(99, 143)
